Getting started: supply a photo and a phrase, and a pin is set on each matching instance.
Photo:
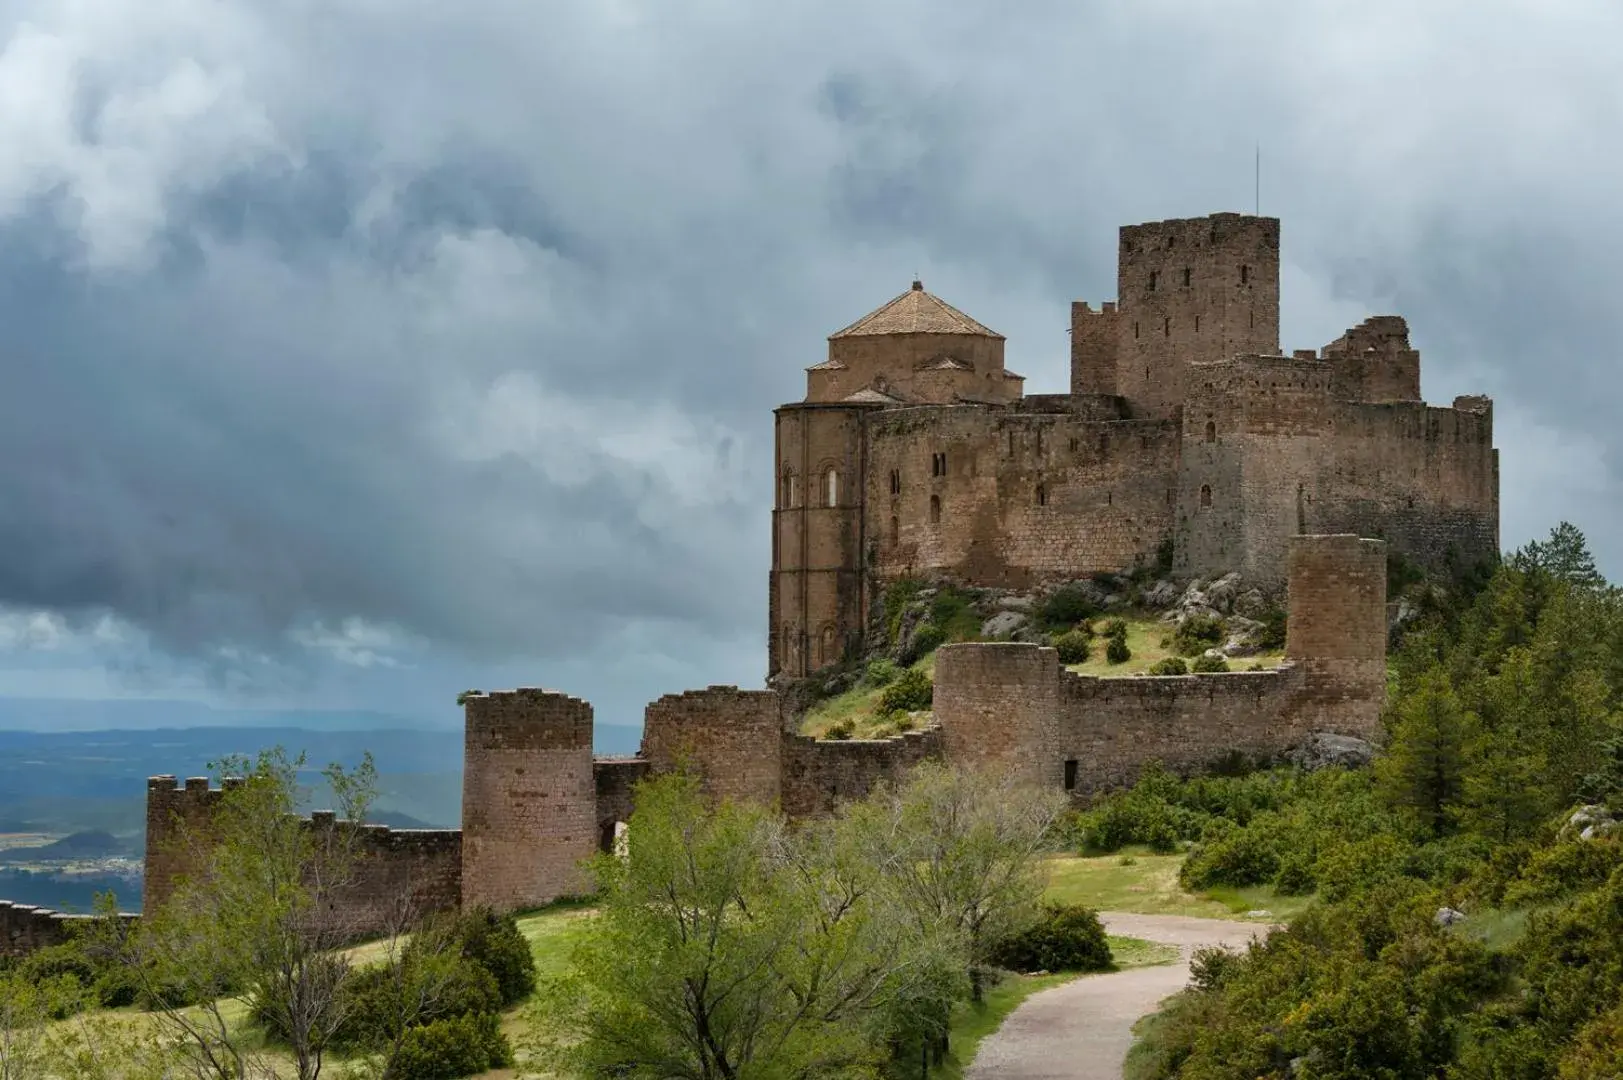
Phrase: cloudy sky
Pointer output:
(356, 352)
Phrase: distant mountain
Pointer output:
(397, 821)
(91, 844)
(138, 714)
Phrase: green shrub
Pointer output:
(1295, 876)
(1114, 629)
(1171, 665)
(377, 997)
(881, 672)
(1210, 967)
(1066, 606)
(495, 943)
(953, 610)
(1196, 634)
(1065, 937)
(926, 639)
(1242, 857)
(1345, 870)
(840, 730)
(1116, 651)
(911, 692)
(1206, 665)
(1562, 869)
(452, 1048)
(1073, 647)
(898, 594)
(1272, 635)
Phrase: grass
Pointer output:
(1150, 640)
(1139, 881)
(973, 1022)
(860, 705)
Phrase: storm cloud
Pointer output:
(384, 332)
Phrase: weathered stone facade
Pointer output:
(25, 928)
(1184, 432)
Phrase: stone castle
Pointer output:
(1186, 439)
(1182, 430)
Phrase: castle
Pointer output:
(1182, 430)
(1186, 439)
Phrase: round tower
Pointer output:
(529, 802)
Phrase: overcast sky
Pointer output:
(357, 352)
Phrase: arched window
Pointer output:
(935, 509)
(1211, 431)
(831, 488)
(1205, 496)
(1042, 494)
(787, 491)
(829, 654)
(895, 481)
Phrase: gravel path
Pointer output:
(1082, 1030)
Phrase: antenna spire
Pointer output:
(1258, 177)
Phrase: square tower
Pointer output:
(1192, 290)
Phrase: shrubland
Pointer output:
(1468, 920)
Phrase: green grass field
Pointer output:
(1138, 881)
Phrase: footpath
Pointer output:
(1083, 1029)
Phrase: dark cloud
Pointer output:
(466, 324)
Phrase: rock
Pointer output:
(1259, 914)
(1244, 636)
(1590, 822)
(1016, 602)
(1323, 750)
(1161, 595)
(1003, 624)
(1447, 916)
(1194, 595)
(1251, 603)
(1222, 593)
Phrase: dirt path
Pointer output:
(1082, 1030)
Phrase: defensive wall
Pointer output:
(398, 873)
(25, 928)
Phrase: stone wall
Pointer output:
(616, 781)
(998, 707)
(1009, 497)
(732, 738)
(529, 798)
(820, 773)
(25, 928)
(399, 876)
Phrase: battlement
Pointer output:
(528, 717)
(25, 928)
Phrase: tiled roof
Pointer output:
(827, 365)
(916, 312)
(870, 394)
(946, 363)
(1007, 374)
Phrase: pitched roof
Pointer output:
(946, 363)
(827, 365)
(916, 312)
(870, 394)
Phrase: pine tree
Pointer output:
(1425, 765)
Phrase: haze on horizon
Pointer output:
(355, 354)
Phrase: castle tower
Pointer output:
(178, 819)
(529, 799)
(998, 707)
(1192, 290)
(1336, 632)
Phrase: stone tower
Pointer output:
(1337, 632)
(998, 707)
(529, 801)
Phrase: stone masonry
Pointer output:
(915, 452)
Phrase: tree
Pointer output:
(1565, 556)
(1423, 769)
(728, 946)
(259, 921)
(962, 853)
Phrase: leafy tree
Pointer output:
(727, 946)
(1424, 766)
(256, 922)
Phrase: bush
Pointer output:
(1172, 665)
(374, 1001)
(898, 594)
(1242, 857)
(1066, 606)
(926, 639)
(953, 610)
(881, 672)
(1117, 652)
(495, 943)
(1114, 629)
(1272, 635)
(1295, 876)
(1073, 647)
(1206, 665)
(447, 1049)
(840, 730)
(1065, 937)
(911, 692)
(1197, 633)
(1562, 869)
(1210, 967)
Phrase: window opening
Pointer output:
(895, 481)
(1188, 277)
(1153, 275)
(1245, 274)
(1205, 496)
(831, 488)
(1070, 774)
(895, 529)
(1166, 327)
(1211, 431)
(1042, 495)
